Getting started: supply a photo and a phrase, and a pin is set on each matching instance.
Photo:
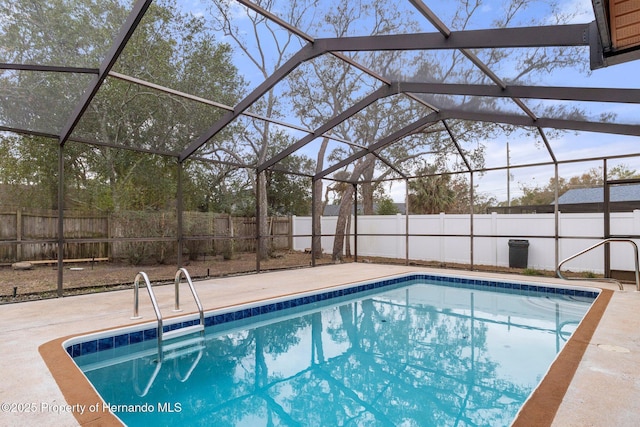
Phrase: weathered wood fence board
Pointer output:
(31, 235)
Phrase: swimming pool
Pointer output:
(412, 350)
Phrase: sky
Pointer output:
(567, 145)
(522, 149)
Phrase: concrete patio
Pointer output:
(605, 390)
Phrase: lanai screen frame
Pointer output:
(443, 38)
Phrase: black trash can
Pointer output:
(518, 253)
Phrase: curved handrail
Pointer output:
(156, 309)
(178, 374)
(136, 386)
(582, 252)
(183, 272)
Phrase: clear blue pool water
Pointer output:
(414, 353)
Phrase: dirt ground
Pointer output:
(78, 278)
(42, 280)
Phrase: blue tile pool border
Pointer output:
(212, 319)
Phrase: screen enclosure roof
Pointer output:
(404, 83)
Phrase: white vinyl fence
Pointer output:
(452, 244)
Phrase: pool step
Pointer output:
(183, 343)
(183, 347)
(174, 354)
(187, 330)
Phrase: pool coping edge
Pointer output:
(542, 405)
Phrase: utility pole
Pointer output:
(508, 179)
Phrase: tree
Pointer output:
(28, 180)
(265, 47)
(481, 201)
(328, 86)
(534, 195)
(288, 194)
(431, 194)
(168, 48)
(386, 206)
(130, 116)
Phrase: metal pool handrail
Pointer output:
(161, 335)
(156, 309)
(606, 279)
(183, 272)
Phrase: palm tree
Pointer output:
(431, 194)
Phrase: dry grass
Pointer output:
(41, 281)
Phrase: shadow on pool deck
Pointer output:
(603, 391)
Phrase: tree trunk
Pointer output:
(345, 209)
(347, 240)
(341, 225)
(367, 190)
(264, 250)
(319, 206)
(317, 226)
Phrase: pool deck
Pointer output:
(605, 390)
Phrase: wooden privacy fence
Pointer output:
(135, 236)
(32, 235)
